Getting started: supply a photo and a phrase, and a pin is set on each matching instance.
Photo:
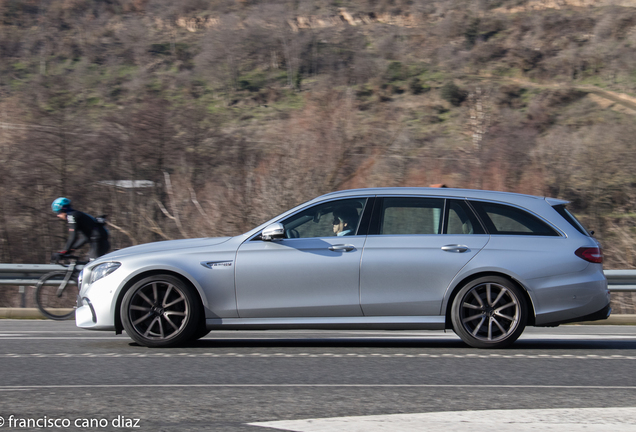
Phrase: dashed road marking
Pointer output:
(327, 355)
(317, 385)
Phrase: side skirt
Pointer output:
(327, 323)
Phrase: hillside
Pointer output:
(232, 111)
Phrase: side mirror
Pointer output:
(273, 231)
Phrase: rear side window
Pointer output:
(402, 215)
(571, 219)
(461, 219)
(506, 220)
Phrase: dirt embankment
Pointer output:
(345, 17)
(606, 99)
(564, 4)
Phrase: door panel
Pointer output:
(409, 274)
(313, 272)
(408, 262)
(299, 277)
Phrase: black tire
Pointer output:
(53, 306)
(160, 311)
(489, 312)
(200, 332)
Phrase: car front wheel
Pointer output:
(160, 311)
(489, 312)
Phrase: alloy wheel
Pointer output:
(158, 310)
(490, 312)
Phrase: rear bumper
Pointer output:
(571, 297)
(601, 314)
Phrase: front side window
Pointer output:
(506, 220)
(406, 215)
(334, 218)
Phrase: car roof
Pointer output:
(530, 202)
(511, 197)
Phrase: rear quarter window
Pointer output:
(507, 220)
(572, 220)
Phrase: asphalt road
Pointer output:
(52, 371)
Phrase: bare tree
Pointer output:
(222, 52)
(556, 156)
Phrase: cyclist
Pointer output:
(83, 228)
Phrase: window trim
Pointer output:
(468, 208)
(361, 228)
(365, 219)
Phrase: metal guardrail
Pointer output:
(621, 280)
(23, 275)
(28, 274)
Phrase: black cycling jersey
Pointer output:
(84, 228)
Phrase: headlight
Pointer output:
(103, 270)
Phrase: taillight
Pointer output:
(591, 254)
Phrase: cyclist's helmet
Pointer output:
(61, 204)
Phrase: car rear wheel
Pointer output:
(489, 312)
(160, 311)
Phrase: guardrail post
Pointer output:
(22, 291)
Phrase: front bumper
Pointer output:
(96, 305)
(81, 302)
(86, 316)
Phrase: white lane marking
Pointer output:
(557, 420)
(423, 338)
(540, 337)
(467, 386)
(271, 338)
(45, 331)
(64, 338)
(342, 355)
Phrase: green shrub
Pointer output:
(396, 71)
(453, 94)
(471, 33)
(252, 82)
(416, 87)
(160, 49)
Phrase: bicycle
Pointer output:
(56, 292)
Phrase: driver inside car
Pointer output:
(345, 221)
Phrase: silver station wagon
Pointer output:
(484, 264)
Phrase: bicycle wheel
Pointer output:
(53, 304)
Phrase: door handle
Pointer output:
(342, 248)
(455, 248)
